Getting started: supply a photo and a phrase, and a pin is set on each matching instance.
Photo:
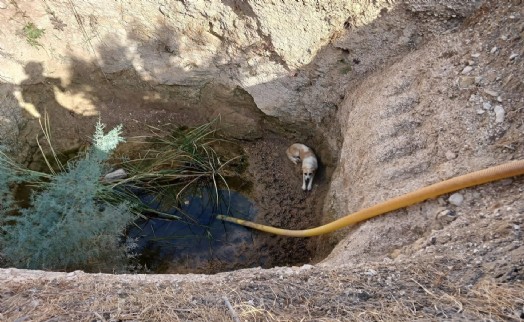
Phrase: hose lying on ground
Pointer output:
(503, 171)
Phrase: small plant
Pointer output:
(69, 225)
(176, 164)
(32, 34)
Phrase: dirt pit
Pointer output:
(418, 107)
(270, 181)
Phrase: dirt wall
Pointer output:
(429, 115)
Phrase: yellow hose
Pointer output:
(503, 171)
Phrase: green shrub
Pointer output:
(69, 225)
(76, 220)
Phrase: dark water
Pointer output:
(198, 242)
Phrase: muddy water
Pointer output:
(198, 242)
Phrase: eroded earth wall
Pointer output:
(76, 50)
(451, 105)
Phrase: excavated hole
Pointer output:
(268, 191)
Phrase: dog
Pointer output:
(301, 153)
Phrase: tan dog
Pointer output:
(300, 153)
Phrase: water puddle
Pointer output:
(197, 243)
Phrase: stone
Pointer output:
(491, 92)
(478, 80)
(456, 199)
(513, 56)
(450, 155)
(466, 81)
(475, 98)
(499, 114)
(115, 175)
(445, 217)
(466, 70)
(371, 272)
(493, 50)
(486, 106)
(475, 55)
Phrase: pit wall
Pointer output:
(144, 62)
(258, 45)
(422, 119)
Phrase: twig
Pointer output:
(99, 316)
(425, 289)
(234, 315)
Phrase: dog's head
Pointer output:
(308, 173)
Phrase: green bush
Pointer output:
(69, 224)
(76, 220)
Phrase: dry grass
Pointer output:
(394, 293)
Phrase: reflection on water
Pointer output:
(198, 242)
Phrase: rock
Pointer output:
(450, 155)
(477, 99)
(486, 106)
(445, 217)
(475, 55)
(306, 267)
(491, 93)
(371, 272)
(466, 70)
(466, 81)
(3, 5)
(115, 175)
(456, 199)
(499, 114)
(478, 80)
(513, 56)
(480, 112)
(493, 50)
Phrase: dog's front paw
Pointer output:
(304, 187)
(310, 185)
